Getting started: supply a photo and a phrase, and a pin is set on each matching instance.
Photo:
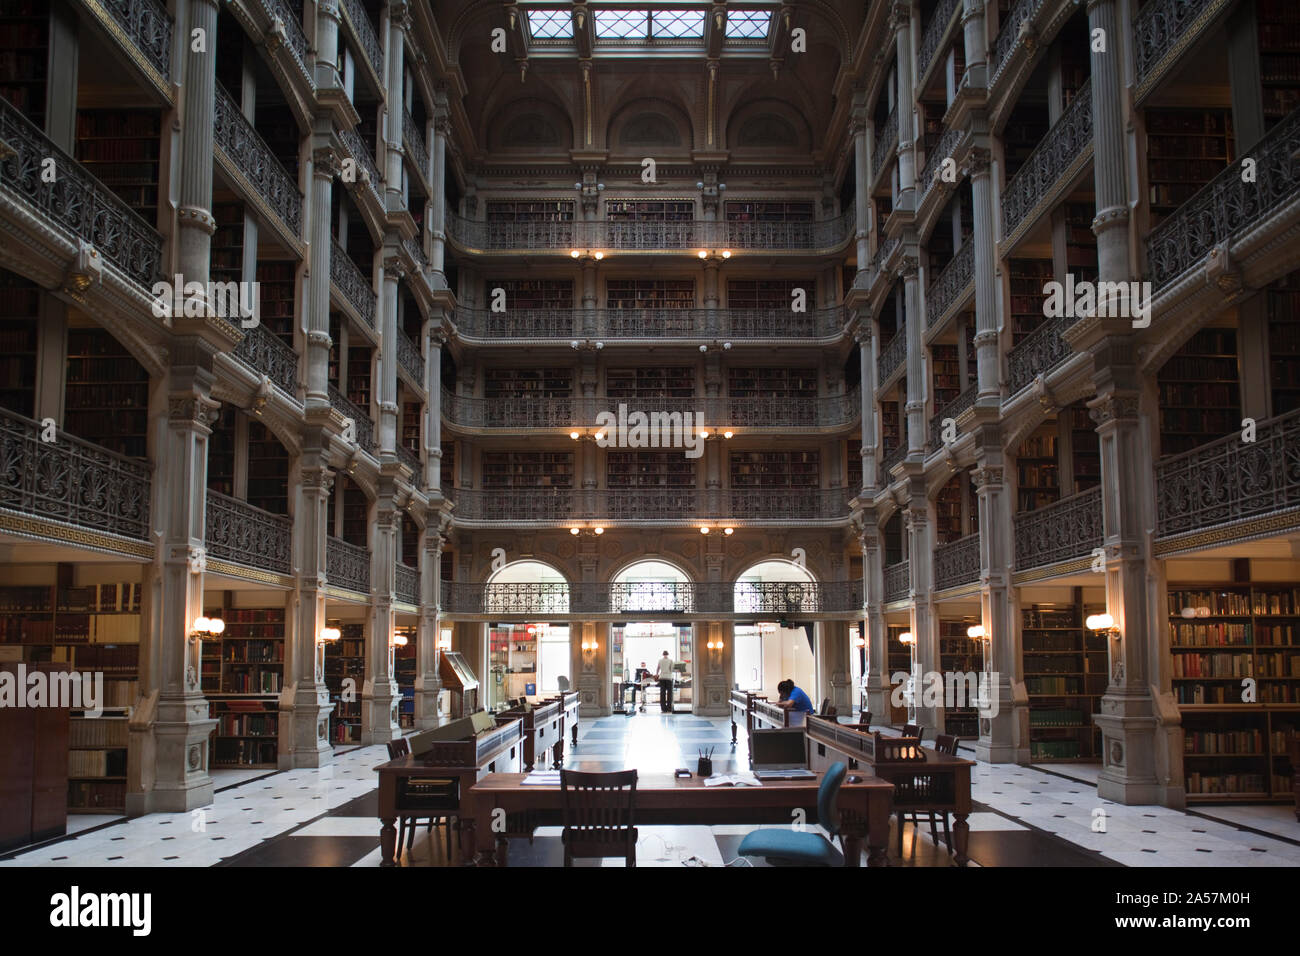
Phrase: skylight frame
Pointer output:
(552, 23)
(749, 20)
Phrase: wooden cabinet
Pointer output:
(33, 768)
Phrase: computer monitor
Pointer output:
(779, 748)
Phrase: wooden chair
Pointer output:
(827, 710)
(599, 811)
(944, 744)
(912, 730)
(902, 750)
(437, 790)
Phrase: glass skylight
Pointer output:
(677, 24)
(549, 24)
(748, 24)
(622, 24)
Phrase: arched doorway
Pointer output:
(636, 646)
(775, 644)
(525, 658)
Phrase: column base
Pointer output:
(1131, 742)
(428, 690)
(714, 700)
(589, 702)
(877, 699)
(304, 727)
(1004, 738)
(379, 713)
(175, 745)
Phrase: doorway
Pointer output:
(638, 644)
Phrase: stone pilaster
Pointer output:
(988, 359)
(386, 390)
(873, 588)
(325, 165)
(428, 683)
(379, 696)
(304, 701)
(924, 621)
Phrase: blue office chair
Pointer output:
(786, 847)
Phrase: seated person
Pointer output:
(795, 700)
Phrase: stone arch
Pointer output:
(760, 126)
(526, 585)
(528, 123)
(650, 123)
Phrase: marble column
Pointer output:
(988, 359)
(924, 621)
(1108, 157)
(901, 22)
(438, 205)
(327, 46)
(195, 223)
(860, 127)
(399, 19)
(379, 695)
(304, 700)
(867, 370)
(435, 338)
(325, 165)
(876, 673)
(428, 683)
(917, 385)
(975, 43)
(386, 389)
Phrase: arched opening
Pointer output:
(775, 646)
(526, 658)
(637, 648)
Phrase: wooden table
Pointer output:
(940, 782)
(661, 799)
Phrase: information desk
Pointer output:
(443, 764)
(923, 779)
(543, 736)
(663, 800)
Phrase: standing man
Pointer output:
(664, 671)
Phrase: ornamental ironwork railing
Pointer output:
(352, 282)
(1010, 34)
(414, 250)
(248, 152)
(898, 581)
(883, 252)
(651, 323)
(149, 27)
(409, 358)
(1069, 137)
(412, 461)
(957, 562)
(650, 504)
(662, 597)
(365, 34)
(360, 152)
(406, 583)
(1159, 25)
(266, 352)
(75, 202)
(891, 356)
(71, 481)
(661, 413)
(1229, 480)
(1042, 351)
(365, 426)
(957, 276)
(294, 37)
(414, 140)
(347, 565)
(1226, 207)
(892, 457)
(605, 234)
(1067, 529)
(954, 408)
(938, 153)
(933, 34)
(885, 139)
(236, 531)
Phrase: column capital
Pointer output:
(987, 476)
(862, 335)
(909, 267)
(394, 268)
(1105, 409)
(191, 409)
(325, 163)
(900, 15)
(978, 161)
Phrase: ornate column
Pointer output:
(379, 696)
(386, 392)
(867, 369)
(900, 20)
(434, 338)
(1108, 167)
(860, 128)
(169, 727)
(988, 359)
(327, 45)
(593, 667)
(1004, 738)
(428, 684)
(917, 386)
(316, 364)
(873, 589)
(975, 43)
(924, 623)
(304, 702)
(195, 224)
(713, 668)
(399, 19)
(438, 206)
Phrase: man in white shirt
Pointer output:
(664, 671)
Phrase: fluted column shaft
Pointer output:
(906, 127)
(438, 206)
(379, 695)
(975, 42)
(428, 685)
(198, 95)
(867, 368)
(395, 68)
(1109, 180)
(873, 590)
(394, 269)
(327, 45)
(434, 339)
(916, 383)
(987, 357)
(325, 165)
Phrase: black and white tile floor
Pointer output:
(1024, 816)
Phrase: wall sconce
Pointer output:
(714, 645)
(586, 345)
(590, 646)
(1100, 622)
(906, 638)
(858, 639)
(328, 635)
(589, 254)
(727, 434)
(596, 531)
(1105, 624)
(976, 633)
(704, 529)
(399, 640)
(575, 435)
(715, 254)
(206, 628)
(728, 530)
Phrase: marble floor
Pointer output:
(1046, 815)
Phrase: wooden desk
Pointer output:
(568, 721)
(742, 703)
(464, 761)
(542, 733)
(940, 782)
(663, 800)
(766, 715)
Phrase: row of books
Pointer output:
(1225, 783)
(1221, 603)
(1210, 635)
(1058, 718)
(22, 630)
(252, 652)
(1053, 749)
(90, 733)
(111, 659)
(1063, 664)
(1034, 618)
(248, 725)
(91, 795)
(96, 763)
(1223, 742)
(243, 752)
(1053, 686)
(1278, 665)
(251, 682)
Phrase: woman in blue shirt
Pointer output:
(792, 698)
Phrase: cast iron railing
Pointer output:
(294, 36)
(650, 597)
(365, 33)
(1069, 137)
(957, 562)
(266, 352)
(933, 33)
(957, 276)
(347, 565)
(409, 358)
(365, 426)
(891, 356)
(236, 531)
(651, 323)
(650, 504)
(1042, 351)
(1159, 25)
(406, 583)
(898, 581)
(148, 25)
(938, 153)
(1009, 35)
(954, 408)
(352, 282)
(1066, 529)
(245, 148)
(414, 139)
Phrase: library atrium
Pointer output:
(419, 417)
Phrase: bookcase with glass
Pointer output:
(1223, 637)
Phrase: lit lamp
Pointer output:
(206, 628)
(1100, 622)
(714, 645)
(327, 635)
(1105, 624)
(976, 632)
(396, 641)
(444, 639)
(589, 646)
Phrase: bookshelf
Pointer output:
(1279, 57)
(107, 393)
(228, 244)
(242, 673)
(528, 383)
(24, 56)
(853, 463)
(534, 293)
(447, 465)
(769, 211)
(268, 470)
(275, 291)
(356, 515)
(891, 429)
(20, 303)
(769, 293)
(1185, 150)
(1037, 475)
(411, 432)
(775, 469)
(97, 756)
(649, 469)
(1200, 399)
(960, 654)
(530, 211)
(1085, 450)
(1283, 309)
(528, 469)
(1022, 135)
(1080, 242)
(649, 210)
(221, 455)
(404, 659)
(1028, 278)
(1065, 670)
(947, 511)
(660, 381)
(121, 149)
(346, 658)
(772, 382)
(900, 661)
(650, 293)
(946, 369)
(1235, 749)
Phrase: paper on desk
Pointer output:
(743, 779)
(542, 778)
